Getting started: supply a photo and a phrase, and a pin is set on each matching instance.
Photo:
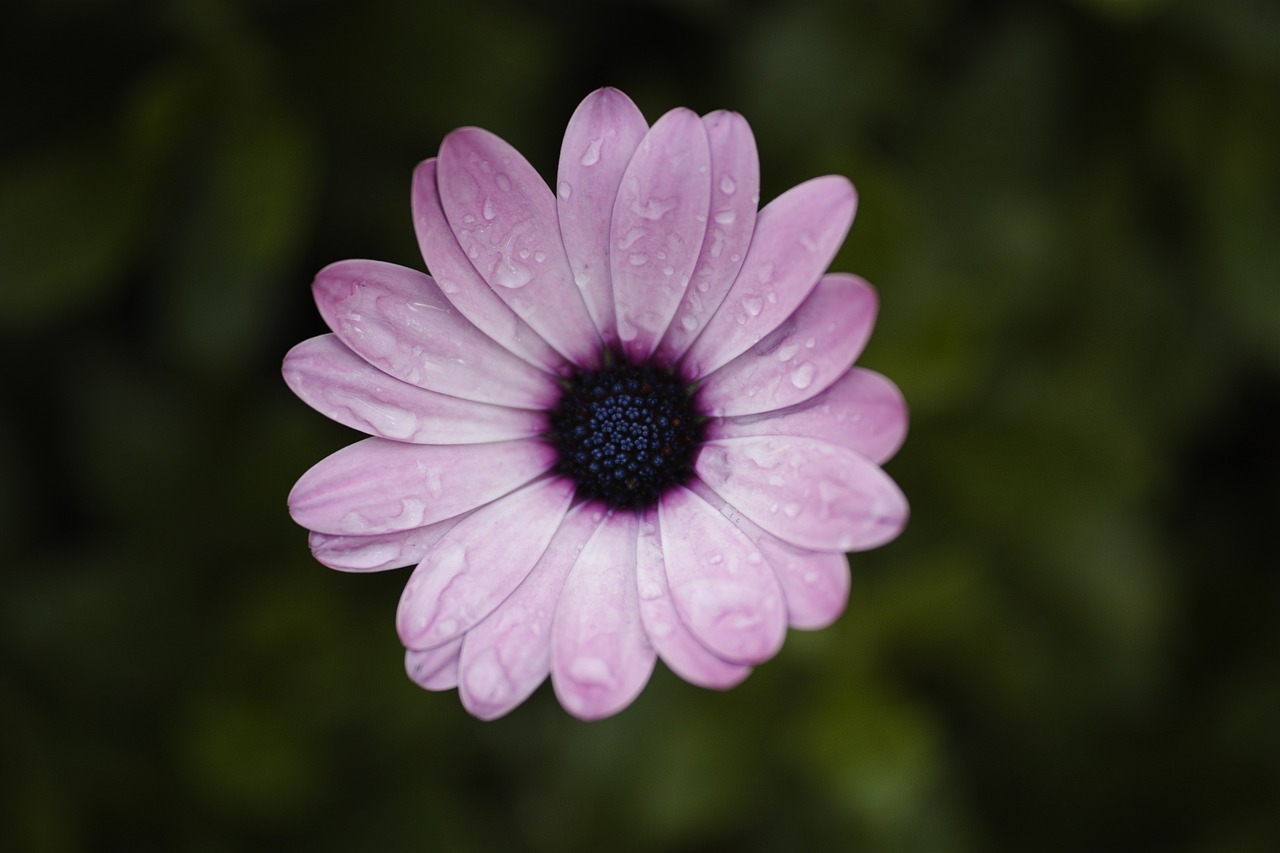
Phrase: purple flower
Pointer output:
(618, 422)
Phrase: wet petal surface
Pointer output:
(674, 643)
(478, 563)
(803, 356)
(461, 283)
(397, 319)
(375, 553)
(862, 411)
(599, 142)
(731, 220)
(659, 219)
(378, 486)
(723, 590)
(805, 491)
(504, 218)
(341, 385)
(795, 238)
(508, 655)
(434, 669)
(600, 656)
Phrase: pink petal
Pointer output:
(478, 563)
(815, 584)
(504, 218)
(602, 135)
(341, 385)
(460, 282)
(376, 486)
(735, 191)
(800, 358)
(376, 553)
(398, 320)
(434, 669)
(677, 647)
(659, 219)
(508, 655)
(862, 411)
(722, 588)
(796, 237)
(600, 657)
(805, 491)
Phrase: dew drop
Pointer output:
(689, 322)
(802, 376)
(512, 275)
(564, 189)
(488, 212)
(539, 257)
(668, 270)
(753, 304)
(727, 185)
(592, 155)
(581, 279)
(791, 509)
(637, 259)
(503, 182)
(725, 217)
(591, 671)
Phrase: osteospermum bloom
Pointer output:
(618, 422)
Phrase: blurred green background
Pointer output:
(1071, 209)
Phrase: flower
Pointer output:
(618, 422)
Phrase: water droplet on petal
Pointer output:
(786, 352)
(689, 322)
(637, 259)
(539, 256)
(727, 185)
(725, 217)
(564, 189)
(591, 671)
(512, 275)
(488, 212)
(503, 182)
(791, 509)
(592, 155)
(753, 304)
(802, 376)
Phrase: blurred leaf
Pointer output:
(251, 207)
(68, 223)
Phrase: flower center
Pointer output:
(626, 433)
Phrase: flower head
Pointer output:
(618, 422)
